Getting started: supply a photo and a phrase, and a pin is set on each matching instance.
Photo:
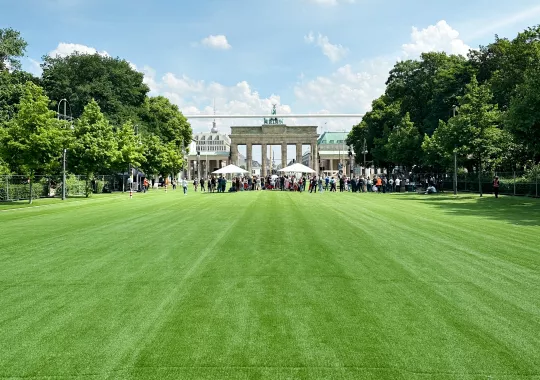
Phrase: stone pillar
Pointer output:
(249, 158)
(283, 155)
(234, 154)
(264, 153)
(299, 153)
(331, 164)
(314, 157)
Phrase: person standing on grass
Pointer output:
(195, 184)
(202, 185)
(184, 185)
(496, 185)
(379, 183)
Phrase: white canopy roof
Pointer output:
(230, 169)
(297, 168)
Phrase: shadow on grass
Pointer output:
(515, 210)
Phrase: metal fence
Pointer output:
(511, 183)
(17, 187)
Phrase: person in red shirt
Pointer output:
(496, 187)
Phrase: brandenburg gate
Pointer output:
(273, 132)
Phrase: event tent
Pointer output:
(297, 168)
(230, 169)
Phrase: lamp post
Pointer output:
(64, 152)
(364, 152)
(454, 108)
(183, 160)
(350, 162)
(198, 164)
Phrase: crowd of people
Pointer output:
(377, 184)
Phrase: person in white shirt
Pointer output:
(184, 185)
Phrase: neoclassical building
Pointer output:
(209, 151)
(333, 151)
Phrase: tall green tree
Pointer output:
(428, 88)
(473, 132)
(95, 149)
(523, 117)
(404, 144)
(12, 87)
(160, 158)
(162, 118)
(130, 149)
(111, 82)
(375, 127)
(34, 139)
(12, 46)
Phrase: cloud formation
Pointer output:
(216, 42)
(64, 49)
(334, 52)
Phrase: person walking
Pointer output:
(496, 186)
(202, 185)
(184, 185)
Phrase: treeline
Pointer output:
(111, 121)
(484, 109)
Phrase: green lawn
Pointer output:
(271, 285)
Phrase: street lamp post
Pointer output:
(64, 152)
(183, 160)
(198, 164)
(364, 152)
(455, 157)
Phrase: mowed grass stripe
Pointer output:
(293, 285)
(503, 301)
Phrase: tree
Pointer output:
(160, 158)
(375, 127)
(12, 45)
(473, 132)
(428, 88)
(95, 148)
(34, 139)
(12, 87)
(404, 143)
(130, 149)
(111, 82)
(163, 119)
(523, 117)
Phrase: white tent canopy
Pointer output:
(297, 168)
(230, 169)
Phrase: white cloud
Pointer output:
(216, 42)
(334, 52)
(64, 49)
(439, 37)
(350, 89)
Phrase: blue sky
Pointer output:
(317, 56)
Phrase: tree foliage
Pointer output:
(130, 149)
(498, 123)
(12, 46)
(523, 118)
(95, 148)
(163, 119)
(111, 82)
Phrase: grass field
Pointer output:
(271, 285)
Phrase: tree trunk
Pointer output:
(30, 182)
(480, 176)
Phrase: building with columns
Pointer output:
(209, 152)
(333, 151)
(272, 133)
